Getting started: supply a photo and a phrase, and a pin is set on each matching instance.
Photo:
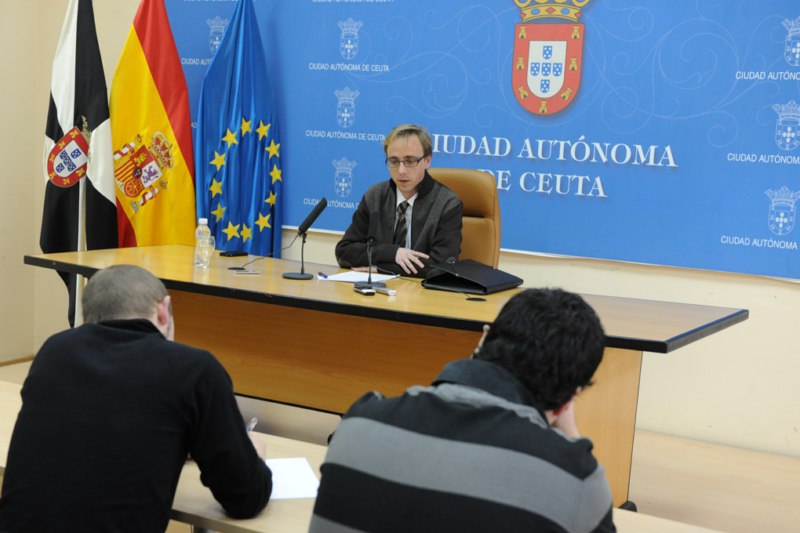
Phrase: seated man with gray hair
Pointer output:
(110, 412)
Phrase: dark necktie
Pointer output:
(402, 227)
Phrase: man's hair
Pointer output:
(403, 131)
(550, 340)
(121, 292)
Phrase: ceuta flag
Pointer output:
(151, 134)
(78, 155)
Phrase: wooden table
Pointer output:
(195, 505)
(320, 345)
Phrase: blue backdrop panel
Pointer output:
(645, 131)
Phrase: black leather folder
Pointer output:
(470, 277)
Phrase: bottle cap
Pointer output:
(202, 221)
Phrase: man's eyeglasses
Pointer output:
(408, 163)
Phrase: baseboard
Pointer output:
(16, 361)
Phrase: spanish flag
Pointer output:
(151, 136)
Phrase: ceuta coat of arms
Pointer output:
(548, 56)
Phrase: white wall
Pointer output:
(21, 147)
(737, 387)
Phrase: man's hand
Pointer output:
(365, 269)
(409, 260)
(565, 420)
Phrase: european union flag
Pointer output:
(238, 165)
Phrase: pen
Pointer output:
(252, 424)
(322, 275)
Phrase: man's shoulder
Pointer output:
(185, 355)
(103, 336)
(461, 413)
(435, 193)
(365, 403)
(445, 192)
(379, 190)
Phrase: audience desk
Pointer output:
(195, 506)
(194, 503)
(320, 345)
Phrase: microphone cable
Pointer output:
(259, 258)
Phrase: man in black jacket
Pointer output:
(110, 412)
(419, 219)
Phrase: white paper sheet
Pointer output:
(353, 276)
(292, 478)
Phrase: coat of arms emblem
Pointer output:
(782, 211)
(547, 56)
(67, 161)
(787, 127)
(216, 30)
(346, 107)
(791, 49)
(348, 40)
(343, 181)
(139, 170)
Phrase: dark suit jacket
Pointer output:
(435, 227)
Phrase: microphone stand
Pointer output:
(369, 283)
(302, 274)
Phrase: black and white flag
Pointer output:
(80, 211)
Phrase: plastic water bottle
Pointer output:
(203, 244)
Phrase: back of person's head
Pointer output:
(404, 131)
(550, 339)
(121, 292)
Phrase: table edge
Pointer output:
(624, 343)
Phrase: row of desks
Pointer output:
(195, 505)
(319, 345)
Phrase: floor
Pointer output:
(698, 483)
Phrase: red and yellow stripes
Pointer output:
(151, 135)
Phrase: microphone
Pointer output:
(312, 216)
(374, 219)
(302, 229)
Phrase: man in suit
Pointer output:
(110, 412)
(419, 219)
(492, 445)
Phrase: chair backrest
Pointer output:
(480, 236)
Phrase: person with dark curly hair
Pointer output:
(491, 445)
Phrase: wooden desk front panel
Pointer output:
(313, 358)
(606, 413)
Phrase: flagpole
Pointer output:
(79, 280)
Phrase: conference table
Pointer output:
(320, 345)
